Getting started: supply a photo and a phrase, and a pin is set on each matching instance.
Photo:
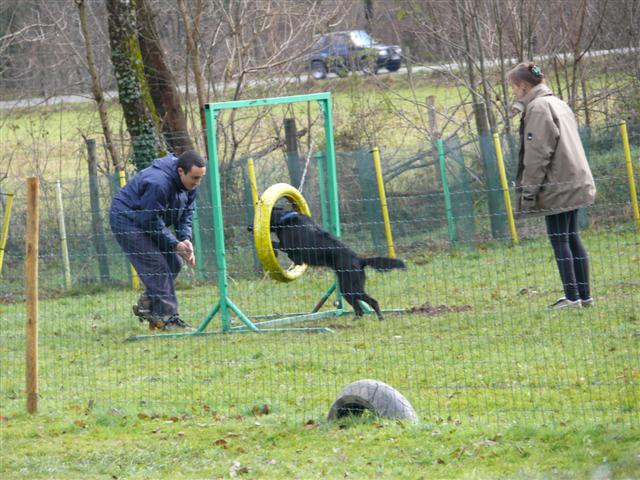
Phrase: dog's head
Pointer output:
(279, 215)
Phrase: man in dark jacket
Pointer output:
(158, 197)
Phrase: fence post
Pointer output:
(505, 188)
(630, 174)
(250, 178)
(451, 228)
(370, 198)
(31, 282)
(63, 238)
(96, 217)
(383, 201)
(293, 159)
(5, 227)
(322, 189)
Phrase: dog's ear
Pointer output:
(276, 215)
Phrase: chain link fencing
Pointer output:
(466, 334)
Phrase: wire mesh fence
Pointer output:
(466, 333)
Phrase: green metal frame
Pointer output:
(225, 306)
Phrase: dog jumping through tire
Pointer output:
(306, 242)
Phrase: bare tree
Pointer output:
(96, 87)
(192, 27)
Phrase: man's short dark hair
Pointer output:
(190, 159)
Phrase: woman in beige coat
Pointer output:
(554, 178)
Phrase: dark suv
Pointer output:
(340, 52)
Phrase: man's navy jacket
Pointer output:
(156, 199)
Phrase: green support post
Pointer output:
(451, 227)
(322, 189)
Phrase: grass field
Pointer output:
(503, 388)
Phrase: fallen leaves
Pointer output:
(237, 469)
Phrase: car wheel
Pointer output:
(342, 71)
(394, 66)
(318, 70)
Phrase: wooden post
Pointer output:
(433, 125)
(293, 159)
(96, 217)
(31, 282)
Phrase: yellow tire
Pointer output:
(262, 230)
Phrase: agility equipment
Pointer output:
(225, 307)
(262, 230)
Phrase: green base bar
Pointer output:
(295, 318)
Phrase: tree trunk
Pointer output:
(191, 35)
(499, 19)
(96, 87)
(135, 98)
(162, 86)
(368, 14)
(486, 90)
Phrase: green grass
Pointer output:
(503, 388)
(130, 444)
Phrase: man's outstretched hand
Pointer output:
(185, 250)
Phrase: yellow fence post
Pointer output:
(135, 280)
(252, 181)
(505, 188)
(383, 202)
(5, 227)
(632, 180)
(64, 248)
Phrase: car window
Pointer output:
(360, 38)
(320, 42)
(341, 41)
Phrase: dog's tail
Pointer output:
(383, 264)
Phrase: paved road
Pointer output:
(445, 67)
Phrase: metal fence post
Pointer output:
(451, 227)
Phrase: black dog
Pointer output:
(305, 242)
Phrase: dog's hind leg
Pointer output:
(373, 303)
(353, 300)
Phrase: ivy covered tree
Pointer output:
(135, 97)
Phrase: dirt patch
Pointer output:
(432, 310)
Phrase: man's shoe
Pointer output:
(142, 309)
(174, 322)
(565, 303)
(587, 303)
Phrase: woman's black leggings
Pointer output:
(571, 256)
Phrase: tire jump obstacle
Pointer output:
(225, 306)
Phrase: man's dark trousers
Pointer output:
(157, 269)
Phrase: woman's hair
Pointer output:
(526, 73)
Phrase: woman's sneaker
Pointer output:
(566, 303)
(587, 303)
